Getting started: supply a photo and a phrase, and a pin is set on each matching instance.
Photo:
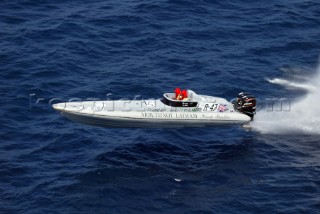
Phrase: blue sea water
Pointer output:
(66, 50)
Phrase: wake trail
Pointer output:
(303, 116)
(291, 84)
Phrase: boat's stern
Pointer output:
(245, 103)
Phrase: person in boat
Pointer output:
(181, 95)
(184, 95)
(178, 94)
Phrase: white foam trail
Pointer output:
(287, 83)
(303, 116)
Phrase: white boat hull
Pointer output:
(116, 114)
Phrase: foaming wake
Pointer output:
(303, 116)
(290, 84)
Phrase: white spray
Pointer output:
(303, 116)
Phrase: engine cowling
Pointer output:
(245, 103)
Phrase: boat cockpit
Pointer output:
(185, 98)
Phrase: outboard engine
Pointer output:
(245, 103)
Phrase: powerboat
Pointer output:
(173, 110)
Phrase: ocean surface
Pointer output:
(54, 51)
